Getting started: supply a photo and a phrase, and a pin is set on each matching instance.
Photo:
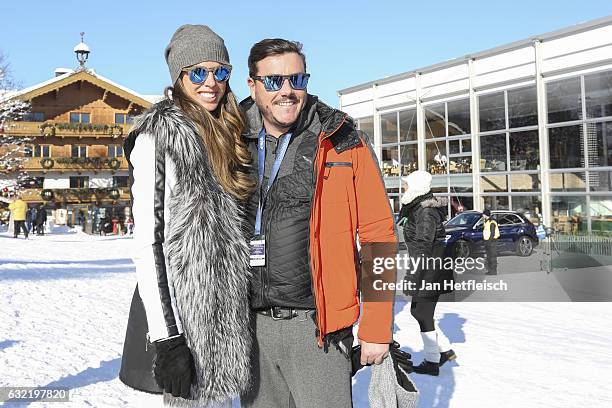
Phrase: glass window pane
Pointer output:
(83, 151)
(409, 158)
(461, 164)
(390, 161)
(120, 181)
(408, 125)
(461, 184)
(130, 120)
(84, 117)
(28, 151)
(508, 219)
(75, 117)
(388, 127)
(494, 183)
(600, 180)
(525, 182)
(460, 146)
(598, 94)
(600, 154)
(435, 121)
(569, 214)
(496, 202)
(523, 107)
(436, 158)
(111, 151)
(37, 151)
(119, 151)
(74, 151)
(564, 100)
(120, 118)
(460, 204)
(439, 184)
(493, 154)
(600, 209)
(458, 117)
(46, 151)
(454, 147)
(524, 151)
(492, 112)
(365, 124)
(529, 206)
(395, 203)
(566, 145)
(567, 182)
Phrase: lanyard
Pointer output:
(261, 157)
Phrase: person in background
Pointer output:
(29, 220)
(19, 211)
(490, 235)
(34, 213)
(422, 215)
(130, 225)
(41, 219)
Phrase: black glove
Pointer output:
(173, 366)
(401, 359)
(355, 360)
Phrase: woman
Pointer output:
(422, 217)
(190, 175)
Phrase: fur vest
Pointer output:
(207, 257)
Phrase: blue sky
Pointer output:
(346, 42)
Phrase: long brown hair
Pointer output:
(221, 132)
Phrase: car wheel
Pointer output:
(462, 249)
(524, 246)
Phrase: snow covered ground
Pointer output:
(64, 305)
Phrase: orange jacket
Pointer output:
(350, 198)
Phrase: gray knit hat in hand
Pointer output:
(192, 44)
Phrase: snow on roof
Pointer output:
(34, 87)
(149, 98)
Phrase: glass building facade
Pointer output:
(525, 127)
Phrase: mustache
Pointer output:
(290, 99)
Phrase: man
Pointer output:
(319, 184)
(41, 219)
(19, 209)
(490, 234)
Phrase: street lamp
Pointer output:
(82, 52)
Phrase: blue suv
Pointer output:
(516, 233)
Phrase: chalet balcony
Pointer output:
(76, 195)
(78, 130)
(75, 164)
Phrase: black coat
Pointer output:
(424, 236)
(41, 217)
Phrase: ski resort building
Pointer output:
(525, 126)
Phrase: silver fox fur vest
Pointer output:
(208, 258)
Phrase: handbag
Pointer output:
(137, 358)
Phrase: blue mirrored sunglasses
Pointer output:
(198, 75)
(273, 83)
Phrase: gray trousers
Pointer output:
(290, 370)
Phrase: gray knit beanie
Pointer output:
(192, 44)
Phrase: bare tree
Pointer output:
(11, 147)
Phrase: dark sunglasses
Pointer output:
(198, 75)
(274, 83)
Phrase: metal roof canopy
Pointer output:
(575, 29)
